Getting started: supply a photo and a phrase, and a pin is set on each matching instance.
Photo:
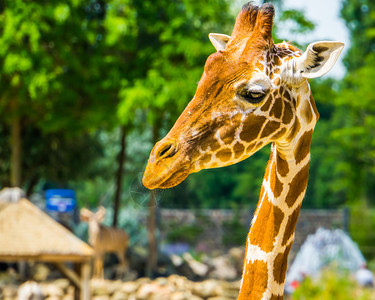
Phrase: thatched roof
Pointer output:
(26, 232)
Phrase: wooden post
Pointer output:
(16, 146)
(85, 281)
(77, 289)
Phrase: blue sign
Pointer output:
(61, 200)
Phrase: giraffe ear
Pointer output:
(318, 59)
(219, 40)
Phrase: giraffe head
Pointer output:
(252, 92)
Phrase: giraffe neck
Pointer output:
(272, 231)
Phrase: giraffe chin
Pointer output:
(151, 181)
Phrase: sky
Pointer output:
(325, 14)
(328, 25)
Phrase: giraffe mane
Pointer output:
(253, 28)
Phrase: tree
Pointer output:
(360, 21)
(171, 47)
(45, 82)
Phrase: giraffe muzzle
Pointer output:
(166, 167)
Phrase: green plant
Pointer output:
(234, 232)
(188, 233)
(362, 222)
(333, 284)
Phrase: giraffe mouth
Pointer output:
(154, 179)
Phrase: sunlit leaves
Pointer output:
(16, 63)
(61, 13)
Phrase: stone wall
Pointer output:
(213, 232)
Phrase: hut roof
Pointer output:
(26, 233)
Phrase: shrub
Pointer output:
(333, 284)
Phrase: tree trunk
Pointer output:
(152, 242)
(16, 146)
(31, 185)
(119, 177)
(151, 224)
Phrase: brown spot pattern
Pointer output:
(238, 149)
(277, 108)
(267, 104)
(282, 165)
(295, 129)
(250, 147)
(251, 128)
(255, 281)
(277, 81)
(287, 95)
(291, 225)
(267, 225)
(224, 154)
(259, 66)
(205, 158)
(303, 147)
(275, 184)
(270, 128)
(276, 297)
(298, 185)
(278, 134)
(278, 187)
(306, 112)
(280, 265)
(288, 113)
(213, 143)
(312, 101)
(277, 61)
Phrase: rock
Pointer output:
(143, 280)
(208, 288)
(177, 261)
(162, 280)
(101, 297)
(29, 290)
(198, 268)
(146, 290)
(223, 268)
(62, 283)
(104, 287)
(9, 291)
(182, 296)
(130, 275)
(237, 254)
(119, 295)
(179, 282)
(129, 287)
(51, 290)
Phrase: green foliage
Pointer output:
(234, 232)
(188, 233)
(360, 20)
(80, 68)
(331, 285)
(362, 222)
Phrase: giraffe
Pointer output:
(252, 93)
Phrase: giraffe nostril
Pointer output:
(166, 150)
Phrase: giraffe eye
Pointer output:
(252, 97)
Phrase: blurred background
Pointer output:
(88, 86)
